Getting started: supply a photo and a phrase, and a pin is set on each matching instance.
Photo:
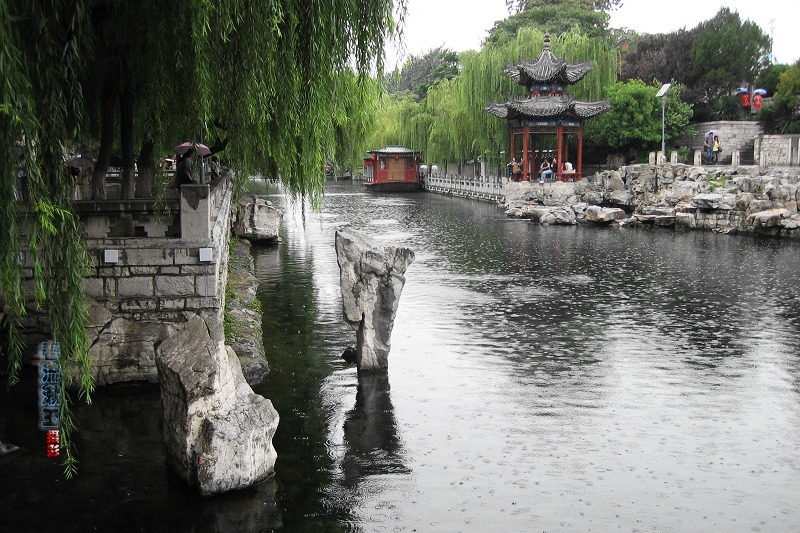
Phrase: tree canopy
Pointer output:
(556, 16)
(450, 124)
(784, 115)
(421, 72)
(634, 122)
(727, 52)
(276, 76)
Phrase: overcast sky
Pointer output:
(462, 24)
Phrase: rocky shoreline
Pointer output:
(743, 199)
(242, 318)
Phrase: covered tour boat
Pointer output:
(392, 169)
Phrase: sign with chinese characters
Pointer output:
(50, 393)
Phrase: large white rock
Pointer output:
(604, 215)
(257, 220)
(372, 276)
(767, 219)
(218, 432)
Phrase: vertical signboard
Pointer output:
(50, 394)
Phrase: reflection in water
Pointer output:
(371, 441)
(542, 378)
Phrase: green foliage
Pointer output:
(558, 18)
(662, 57)
(789, 83)
(420, 73)
(635, 120)
(770, 77)
(282, 80)
(450, 125)
(726, 52)
(41, 105)
(596, 5)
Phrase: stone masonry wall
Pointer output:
(779, 150)
(147, 296)
(734, 135)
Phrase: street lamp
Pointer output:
(662, 93)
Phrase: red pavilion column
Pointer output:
(525, 153)
(580, 154)
(559, 161)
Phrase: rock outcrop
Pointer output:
(722, 199)
(257, 220)
(218, 432)
(372, 276)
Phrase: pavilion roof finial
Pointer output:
(547, 40)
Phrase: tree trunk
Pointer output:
(126, 143)
(144, 185)
(106, 142)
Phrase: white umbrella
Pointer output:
(762, 92)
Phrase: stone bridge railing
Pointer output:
(481, 187)
(154, 265)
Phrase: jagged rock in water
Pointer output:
(257, 220)
(372, 276)
(7, 448)
(217, 431)
(349, 354)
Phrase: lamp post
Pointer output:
(662, 93)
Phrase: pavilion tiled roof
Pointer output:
(391, 150)
(545, 106)
(547, 69)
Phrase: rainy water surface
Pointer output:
(540, 379)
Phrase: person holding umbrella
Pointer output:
(708, 145)
(184, 174)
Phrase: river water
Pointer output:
(540, 379)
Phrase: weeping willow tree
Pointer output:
(459, 128)
(268, 74)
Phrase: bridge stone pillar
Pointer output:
(195, 212)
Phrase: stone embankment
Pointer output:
(242, 318)
(724, 199)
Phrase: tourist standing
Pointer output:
(715, 149)
(708, 145)
(515, 169)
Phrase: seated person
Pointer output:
(568, 171)
(546, 171)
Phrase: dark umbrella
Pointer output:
(201, 149)
(80, 161)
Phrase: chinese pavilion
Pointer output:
(392, 169)
(547, 111)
